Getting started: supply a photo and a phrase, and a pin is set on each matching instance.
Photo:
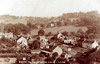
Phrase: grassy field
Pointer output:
(59, 29)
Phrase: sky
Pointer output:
(46, 8)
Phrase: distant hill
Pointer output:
(6, 19)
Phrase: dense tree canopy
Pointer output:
(41, 32)
(94, 29)
(17, 28)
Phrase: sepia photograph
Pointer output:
(49, 32)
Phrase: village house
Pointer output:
(9, 35)
(22, 42)
(6, 35)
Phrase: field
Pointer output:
(54, 30)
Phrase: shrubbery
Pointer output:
(17, 28)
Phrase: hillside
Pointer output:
(6, 19)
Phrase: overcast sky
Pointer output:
(46, 8)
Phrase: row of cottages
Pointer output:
(6, 35)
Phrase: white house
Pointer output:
(22, 41)
(52, 25)
(44, 41)
(58, 50)
(95, 44)
(9, 35)
(6, 35)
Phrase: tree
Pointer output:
(31, 26)
(17, 28)
(59, 23)
(41, 32)
(21, 28)
(35, 45)
(5, 42)
(93, 29)
(10, 28)
(65, 23)
(87, 21)
(80, 31)
(42, 25)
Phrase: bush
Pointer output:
(41, 32)
(59, 24)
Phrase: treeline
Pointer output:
(17, 29)
(77, 19)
